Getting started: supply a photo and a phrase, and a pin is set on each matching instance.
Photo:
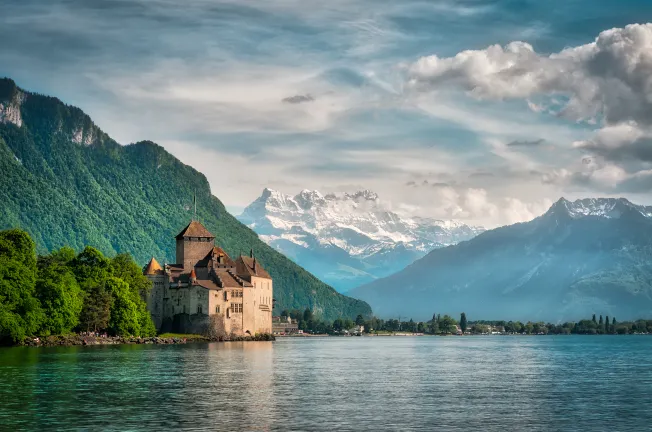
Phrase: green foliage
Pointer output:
(96, 311)
(20, 311)
(60, 296)
(61, 292)
(463, 322)
(125, 199)
(447, 324)
(125, 314)
(91, 268)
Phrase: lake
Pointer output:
(508, 383)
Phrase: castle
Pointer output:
(208, 288)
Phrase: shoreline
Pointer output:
(79, 340)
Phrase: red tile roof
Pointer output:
(195, 229)
(246, 266)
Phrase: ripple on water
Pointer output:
(419, 383)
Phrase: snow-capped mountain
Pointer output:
(348, 239)
(603, 207)
(579, 258)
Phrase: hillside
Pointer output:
(579, 258)
(347, 239)
(68, 183)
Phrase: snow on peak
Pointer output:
(356, 222)
(362, 195)
(599, 207)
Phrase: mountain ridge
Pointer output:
(349, 238)
(67, 182)
(580, 257)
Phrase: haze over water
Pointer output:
(368, 383)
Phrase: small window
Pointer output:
(217, 309)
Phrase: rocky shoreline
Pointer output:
(79, 340)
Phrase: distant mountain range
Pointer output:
(67, 182)
(579, 258)
(348, 239)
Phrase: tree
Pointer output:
(20, 311)
(125, 316)
(447, 324)
(594, 319)
(60, 296)
(285, 313)
(91, 268)
(606, 324)
(359, 320)
(434, 327)
(307, 315)
(125, 268)
(96, 309)
(463, 322)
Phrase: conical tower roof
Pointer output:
(153, 267)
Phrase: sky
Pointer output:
(481, 111)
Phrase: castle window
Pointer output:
(236, 307)
(217, 309)
(199, 309)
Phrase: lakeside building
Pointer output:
(207, 287)
(284, 325)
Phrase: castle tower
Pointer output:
(156, 274)
(194, 242)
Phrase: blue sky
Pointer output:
(344, 95)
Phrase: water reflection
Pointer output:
(492, 383)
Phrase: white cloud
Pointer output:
(610, 77)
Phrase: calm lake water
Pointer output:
(382, 383)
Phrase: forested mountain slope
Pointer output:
(68, 183)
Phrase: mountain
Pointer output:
(579, 258)
(66, 182)
(348, 239)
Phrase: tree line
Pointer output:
(442, 325)
(64, 292)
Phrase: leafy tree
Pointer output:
(91, 268)
(60, 296)
(359, 320)
(434, 326)
(447, 324)
(606, 325)
(124, 267)
(593, 319)
(125, 314)
(20, 311)
(96, 309)
(463, 322)
(285, 313)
